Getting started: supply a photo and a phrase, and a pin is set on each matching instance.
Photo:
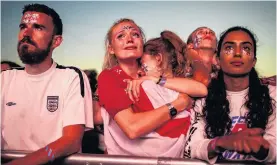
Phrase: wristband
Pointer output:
(49, 153)
(159, 80)
(162, 81)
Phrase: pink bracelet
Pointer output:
(213, 147)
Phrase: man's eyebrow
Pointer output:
(22, 24)
(39, 25)
(35, 25)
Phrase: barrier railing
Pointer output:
(97, 159)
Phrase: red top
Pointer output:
(112, 95)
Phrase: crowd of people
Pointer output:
(164, 97)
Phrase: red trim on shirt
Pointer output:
(175, 128)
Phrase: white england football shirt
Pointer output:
(35, 108)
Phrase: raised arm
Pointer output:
(188, 86)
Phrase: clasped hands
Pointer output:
(248, 141)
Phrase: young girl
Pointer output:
(128, 125)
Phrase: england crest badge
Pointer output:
(52, 103)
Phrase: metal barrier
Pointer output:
(97, 159)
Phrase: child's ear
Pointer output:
(159, 58)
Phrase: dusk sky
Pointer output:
(86, 23)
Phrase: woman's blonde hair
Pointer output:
(110, 59)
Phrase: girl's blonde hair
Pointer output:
(110, 59)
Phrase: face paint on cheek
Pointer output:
(198, 39)
(30, 18)
(229, 51)
(149, 70)
(246, 52)
(144, 67)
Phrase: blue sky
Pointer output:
(86, 23)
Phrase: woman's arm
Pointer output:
(188, 86)
(113, 97)
(135, 125)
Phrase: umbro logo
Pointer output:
(10, 104)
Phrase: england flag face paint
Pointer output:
(30, 18)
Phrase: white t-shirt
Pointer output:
(36, 108)
(197, 141)
(167, 141)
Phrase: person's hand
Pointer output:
(269, 80)
(247, 141)
(183, 102)
(133, 86)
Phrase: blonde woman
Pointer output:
(127, 123)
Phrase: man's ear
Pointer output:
(110, 49)
(57, 40)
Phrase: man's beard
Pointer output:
(35, 57)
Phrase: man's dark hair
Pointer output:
(58, 25)
(258, 101)
(11, 64)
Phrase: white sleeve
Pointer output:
(270, 130)
(78, 102)
(196, 146)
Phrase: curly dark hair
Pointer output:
(258, 101)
